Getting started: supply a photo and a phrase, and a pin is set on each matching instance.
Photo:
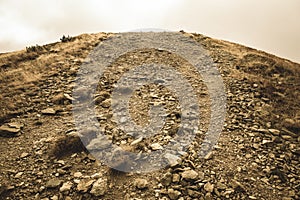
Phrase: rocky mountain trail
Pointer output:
(257, 155)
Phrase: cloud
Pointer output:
(270, 25)
(33, 21)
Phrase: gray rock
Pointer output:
(98, 144)
(53, 183)
(173, 160)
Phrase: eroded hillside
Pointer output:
(257, 155)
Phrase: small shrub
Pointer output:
(35, 48)
(66, 39)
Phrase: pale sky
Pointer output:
(269, 25)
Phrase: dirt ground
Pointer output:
(257, 155)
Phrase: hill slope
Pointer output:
(257, 156)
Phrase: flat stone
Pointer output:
(99, 187)
(189, 175)
(15, 125)
(6, 130)
(77, 174)
(84, 185)
(49, 111)
(96, 175)
(136, 141)
(173, 160)
(209, 155)
(67, 96)
(61, 162)
(98, 144)
(66, 186)
(156, 146)
(23, 155)
(53, 183)
(256, 146)
(286, 137)
(266, 141)
(237, 186)
(252, 197)
(248, 156)
(221, 186)
(58, 99)
(274, 131)
(18, 175)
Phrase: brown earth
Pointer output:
(257, 156)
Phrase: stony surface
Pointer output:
(257, 156)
